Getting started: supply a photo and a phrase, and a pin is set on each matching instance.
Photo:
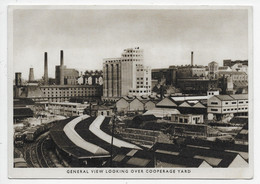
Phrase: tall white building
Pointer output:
(126, 75)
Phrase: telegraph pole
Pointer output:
(112, 137)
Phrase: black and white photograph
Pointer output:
(130, 91)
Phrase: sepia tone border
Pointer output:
(156, 173)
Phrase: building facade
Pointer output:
(187, 118)
(230, 63)
(221, 105)
(93, 77)
(126, 74)
(61, 93)
(66, 108)
(213, 70)
(112, 82)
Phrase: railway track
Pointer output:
(37, 155)
(44, 154)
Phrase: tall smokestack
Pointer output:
(191, 58)
(18, 79)
(45, 68)
(31, 75)
(61, 68)
(61, 58)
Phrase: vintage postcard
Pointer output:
(130, 92)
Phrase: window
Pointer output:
(224, 109)
(234, 102)
(226, 103)
(214, 109)
(181, 120)
(240, 102)
(214, 103)
(185, 121)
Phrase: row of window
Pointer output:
(143, 86)
(78, 92)
(232, 109)
(89, 94)
(241, 102)
(112, 61)
(131, 59)
(141, 91)
(132, 55)
(141, 78)
(130, 51)
(69, 89)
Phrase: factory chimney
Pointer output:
(18, 79)
(61, 58)
(191, 58)
(45, 77)
(31, 75)
(61, 68)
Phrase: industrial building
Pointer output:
(64, 75)
(132, 103)
(66, 108)
(226, 106)
(213, 70)
(230, 63)
(61, 93)
(187, 118)
(126, 75)
(91, 77)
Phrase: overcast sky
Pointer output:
(88, 36)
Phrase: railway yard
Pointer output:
(39, 153)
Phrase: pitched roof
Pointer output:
(240, 96)
(199, 105)
(216, 158)
(167, 102)
(224, 97)
(185, 104)
(161, 112)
